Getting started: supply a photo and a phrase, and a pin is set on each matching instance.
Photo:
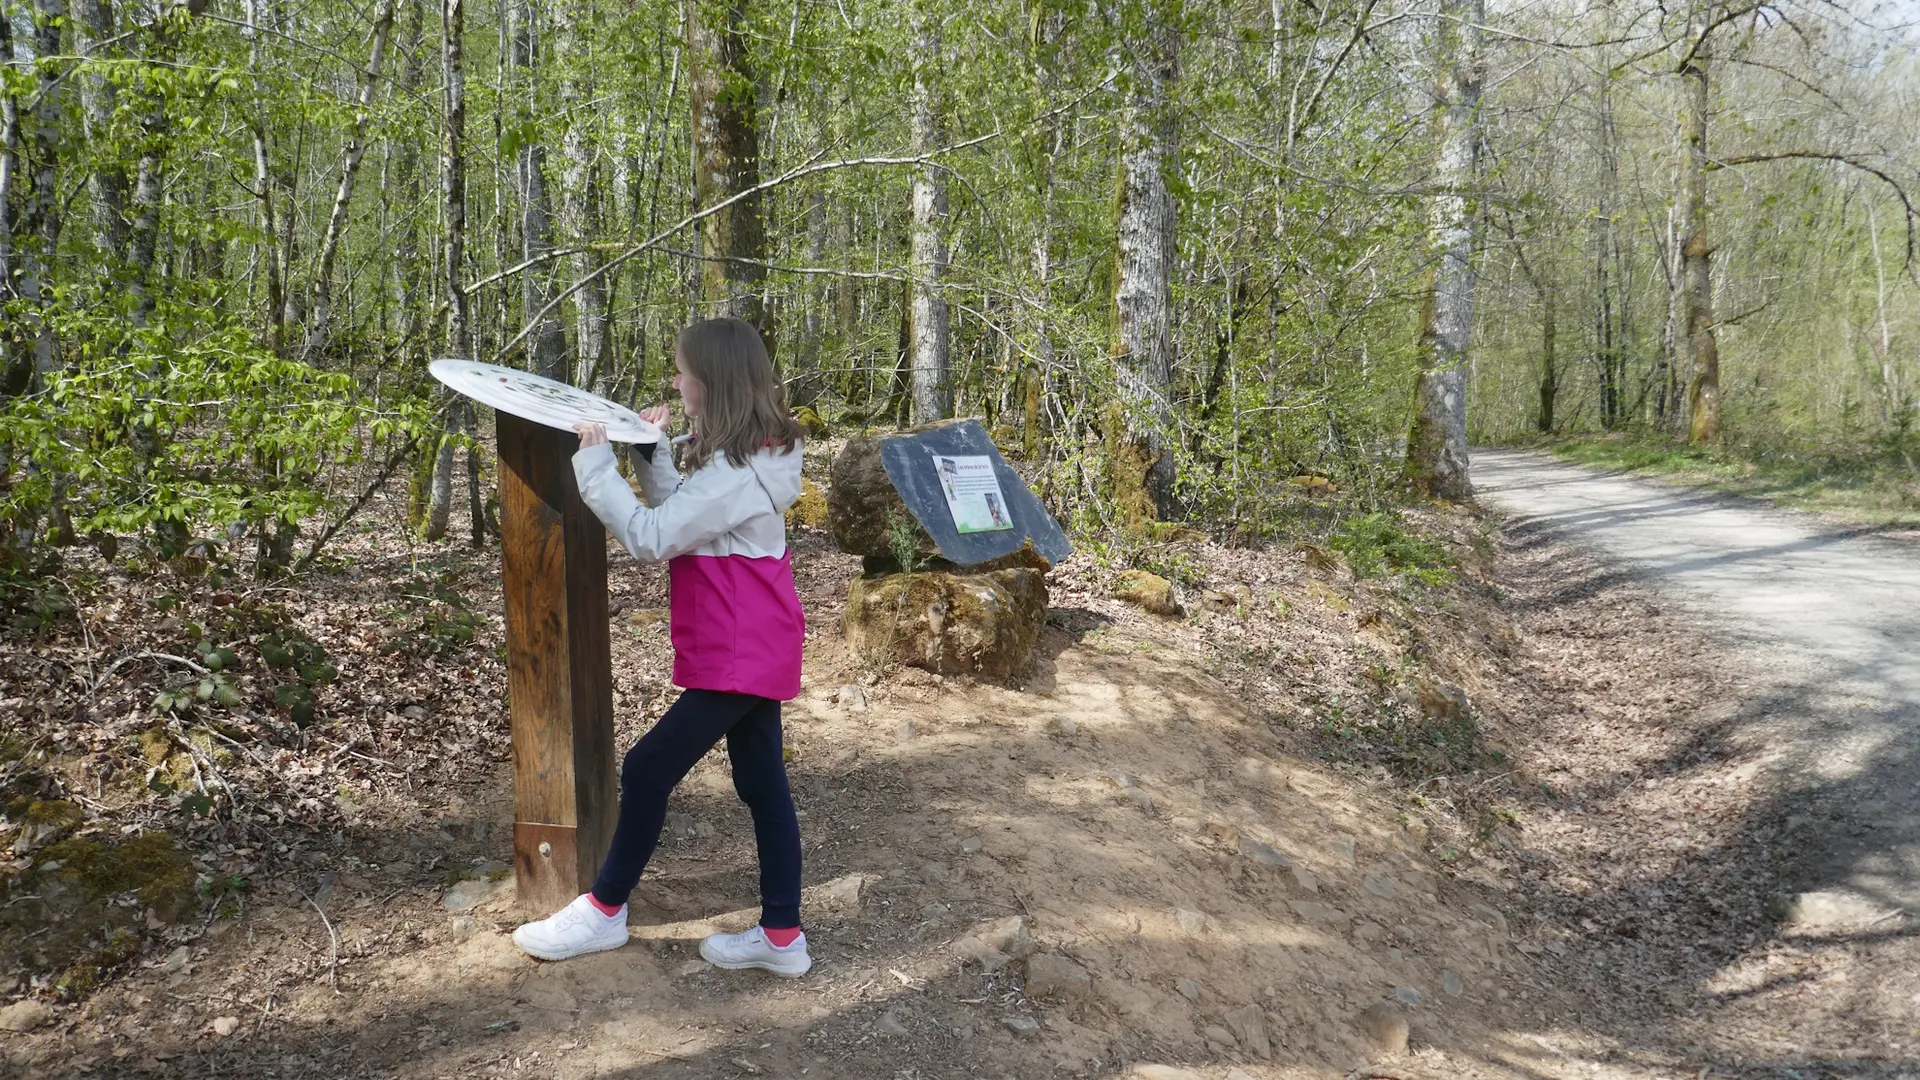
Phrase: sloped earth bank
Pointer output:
(1193, 821)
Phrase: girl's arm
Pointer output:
(714, 502)
(658, 478)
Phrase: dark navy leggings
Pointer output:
(690, 728)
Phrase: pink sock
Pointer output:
(609, 910)
(782, 937)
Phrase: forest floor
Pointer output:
(1225, 836)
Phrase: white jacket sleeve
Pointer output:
(712, 503)
(658, 478)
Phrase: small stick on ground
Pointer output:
(333, 961)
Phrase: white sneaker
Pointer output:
(574, 930)
(737, 952)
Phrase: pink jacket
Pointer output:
(735, 618)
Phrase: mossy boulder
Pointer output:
(810, 509)
(1151, 591)
(982, 624)
(865, 514)
(65, 915)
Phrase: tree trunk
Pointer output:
(10, 346)
(932, 387)
(408, 270)
(320, 317)
(1140, 444)
(41, 212)
(453, 194)
(99, 97)
(1437, 464)
(1702, 344)
(1549, 365)
(726, 160)
(580, 195)
(548, 344)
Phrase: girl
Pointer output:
(736, 627)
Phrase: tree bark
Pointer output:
(932, 386)
(726, 160)
(1702, 343)
(1549, 364)
(320, 316)
(548, 344)
(408, 268)
(1437, 464)
(1140, 444)
(99, 97)
(581, 198)
(9, 168)
(41, 212)
(453, 194)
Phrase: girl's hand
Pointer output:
(657, 416)
(591, 434)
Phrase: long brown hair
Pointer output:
(744, 408)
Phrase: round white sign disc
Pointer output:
(542, 400)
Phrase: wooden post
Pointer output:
(553, 556)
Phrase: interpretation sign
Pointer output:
(958, 487)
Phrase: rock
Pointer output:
(1249, 1024)
(226, 1025)
(1381, 886)
(810, 509)
(1451, 984)
(984, 624)
(1239, 1074)
(1009, 935)
(1064, 725)
(933, 873)
(904, 731)
(1124, 780)
(852, 699)
(1219, 1039)
(970, 845)
(24, 1016)
(1187, 823)
(1153, 593)
(890, 1027)
(1344, 847)
(1827, 910)
(175, 961)
(1140, 799)
(841, 892)
(1304, 878)
(1191, 922)
(1021, 1026)
(1260, 852)
(1314, 911)
(1369, 931)
(1163, 1072)
(467, 895)
(864, 509)
(1188, 989)
(1440, 701)
(461, 927)
(691, 967)
(1406, 995)
(1385, 1027)
(1056, 976)
(971, 950)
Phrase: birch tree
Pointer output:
(1437, 463)
(932, 394)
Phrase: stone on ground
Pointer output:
(1219, 1039)
(1009, 935)
(982, 624)
(1021, 1025)
(1056, 976)
(1385, 1027)
(226, 1025)
(1188, 989)
(890, 1027)
(24, 1016)
(971, 950)
(1153, 593)
(1261, 853)
(467, 895)
(1249, 1025)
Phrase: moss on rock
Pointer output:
(983, 624)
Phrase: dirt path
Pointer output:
(1809, 713)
